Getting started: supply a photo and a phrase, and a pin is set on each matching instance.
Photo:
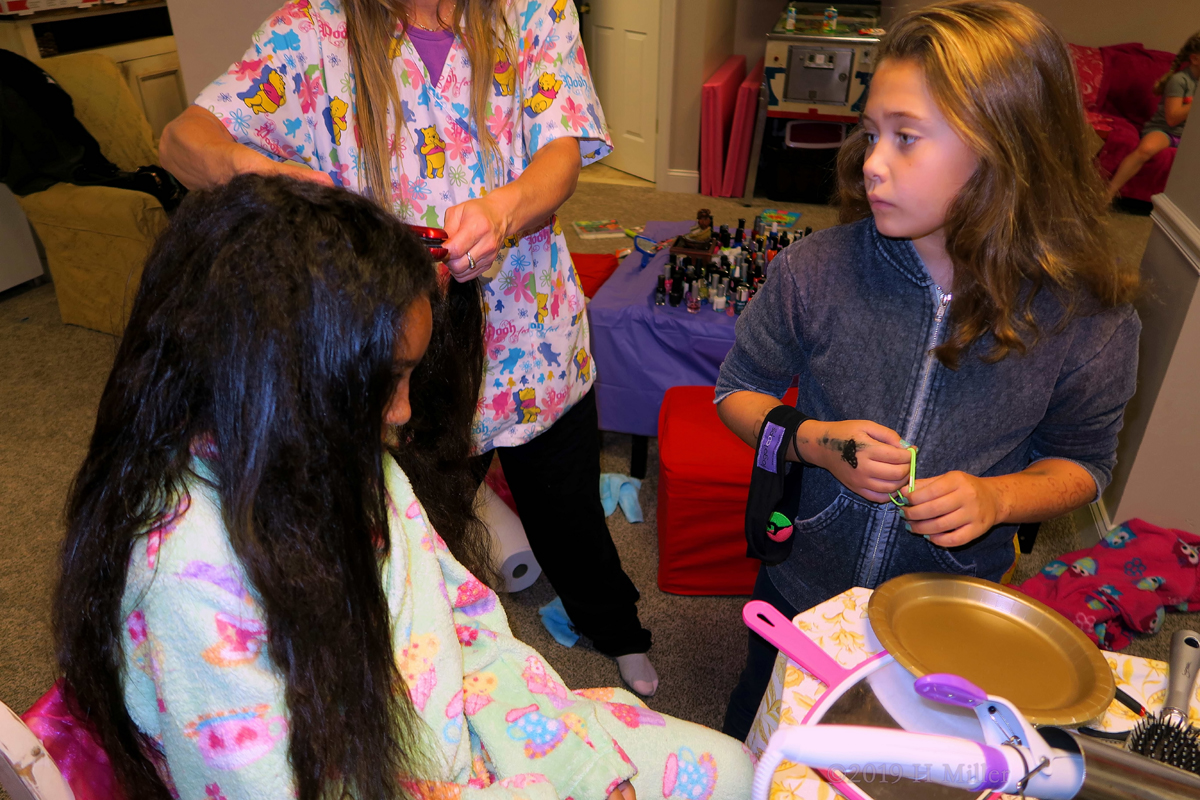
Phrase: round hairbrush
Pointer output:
(1168, 736)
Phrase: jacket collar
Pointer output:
(901, 254)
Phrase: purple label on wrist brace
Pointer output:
(768, 449)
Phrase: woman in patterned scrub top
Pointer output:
(489, 155)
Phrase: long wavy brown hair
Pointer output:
(1191, 46)
(1034, 213)
(372, 28)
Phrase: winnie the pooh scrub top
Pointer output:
(292, 98)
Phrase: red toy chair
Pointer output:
(703, 482)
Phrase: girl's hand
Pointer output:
(623, 792)
(477, 227)
(865, 456)
(953, 509)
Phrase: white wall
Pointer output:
(753, 20)
(703, 40)
(212, 34)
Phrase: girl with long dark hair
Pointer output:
(254, 601)
(475, 116)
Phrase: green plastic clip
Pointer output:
(896, 497)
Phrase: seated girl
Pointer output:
(254, 601)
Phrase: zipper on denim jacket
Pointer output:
(922, 398)
(917, 413)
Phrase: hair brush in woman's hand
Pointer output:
(1168, 736)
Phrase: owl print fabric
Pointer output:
(292, 97)
(498, 721)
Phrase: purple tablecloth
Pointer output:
(641, 349)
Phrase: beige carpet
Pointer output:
(51, 376)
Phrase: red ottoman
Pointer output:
(703, 482)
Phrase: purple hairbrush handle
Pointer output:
(953, 690)
(765, 620)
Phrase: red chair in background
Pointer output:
(703, 482)
(1117, 84)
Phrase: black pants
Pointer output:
(760, 662)
(555, 481)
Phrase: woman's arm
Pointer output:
(479, 227)
(955, 508)
(198, 150)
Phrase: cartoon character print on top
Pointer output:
(557, 10)
(549, 85)
(504, 77)
(335, 118)
(433, 152)
(526, 402)
(266, 93)
(539, 92)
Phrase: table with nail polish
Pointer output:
(642, 349)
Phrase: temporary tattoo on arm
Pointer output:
(848, 448)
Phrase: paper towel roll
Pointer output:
(514, 559)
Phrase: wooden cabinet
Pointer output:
(129, 34)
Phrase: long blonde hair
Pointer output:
(1035, 209)
(371, 31)
(1191, 46)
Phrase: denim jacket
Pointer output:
(855, 316)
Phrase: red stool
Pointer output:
(703, 482)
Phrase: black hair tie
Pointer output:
(774, 488)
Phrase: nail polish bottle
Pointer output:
(693, 298)
(718, 302)
(668, 274)
(808, 231)
(675, 296)
(743, 297)
(660, 291)
(784, 241)
(739, 235)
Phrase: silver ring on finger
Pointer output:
(471, 260)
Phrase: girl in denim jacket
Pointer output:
(970, 305)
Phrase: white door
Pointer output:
(621, 37)
(157, 84)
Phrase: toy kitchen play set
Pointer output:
(819, 61)
(818, 65)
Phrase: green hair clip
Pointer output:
(898, 498)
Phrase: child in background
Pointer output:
(970, 304)
(254, 601)
(1177, 87)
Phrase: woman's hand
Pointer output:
(201, 153)
(623, 792)
(866, 457)
(954, 508)
(246, 160)
(478, 227)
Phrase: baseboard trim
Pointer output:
(1178, 227)
(1093, 522)
(684, 181)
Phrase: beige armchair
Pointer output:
(97, 237)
